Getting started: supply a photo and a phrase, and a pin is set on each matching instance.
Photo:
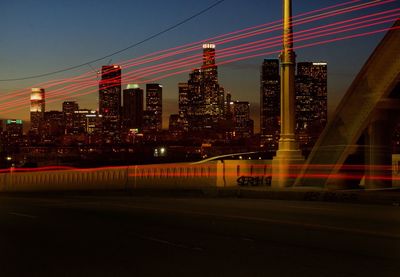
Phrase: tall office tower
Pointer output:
(196, 102)
(311, 103)
(110, 101)
(153, 108)
(270, 104)
(37, 110)
(132, 111)
(205, 97)
(213, 93)
(243, 125)
(13, 133)
(183, 98)
(53, 126)
(182, 120)
(69, 108)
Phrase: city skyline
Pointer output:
(239, 78)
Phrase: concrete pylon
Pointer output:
(288, 157)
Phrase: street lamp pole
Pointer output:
(288, 153)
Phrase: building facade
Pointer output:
(311, 103)
(110, 102)
(243, 125)
(153, 115)
(270, 104)
(132, 110)
(37, 110)
(68, 109)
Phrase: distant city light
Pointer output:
(320, 63)
(14, 121)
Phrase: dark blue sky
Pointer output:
(46, 35)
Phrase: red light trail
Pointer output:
(347, 172)
(85, 81)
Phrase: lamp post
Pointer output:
(288, 153)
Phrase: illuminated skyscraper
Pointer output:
(213, 93)
(182, 120)
(205, 97)
(110, 101)
(243, 125)
(183, 98)
(133, 107)
(311, 103)
(270, 104)
(69, 108)
(153, 113)
(196, 102)
(13, 132)
(37, 109)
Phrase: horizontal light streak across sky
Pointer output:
(141, 69)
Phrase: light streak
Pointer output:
(93, 82)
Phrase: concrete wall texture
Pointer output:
(180, 175)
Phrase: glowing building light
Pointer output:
(132, 86)
(36, 96)
(208, 46)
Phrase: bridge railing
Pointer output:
(220, 173)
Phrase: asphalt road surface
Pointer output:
(144, 236)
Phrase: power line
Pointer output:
(121, 50)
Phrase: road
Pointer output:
(149, 236)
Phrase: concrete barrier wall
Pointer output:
(222, 173)
(181, 175)
(173, 176)
(232, 170)
(396, 170)
(113, 178)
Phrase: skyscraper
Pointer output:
(132, 110)
(69, 108)
(243, 125)
(110, 100)
(183, 98)
(182, 120)
(196, 102)
(205, 97)
(311, 103)
(14, 132)
(270, 104)
(213, 93)
(153, 108)
(37, 109)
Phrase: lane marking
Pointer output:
(166, 242)
(23, 215)
(275, 221)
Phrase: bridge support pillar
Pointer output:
(378, 156)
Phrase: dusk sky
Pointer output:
(43, 36)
